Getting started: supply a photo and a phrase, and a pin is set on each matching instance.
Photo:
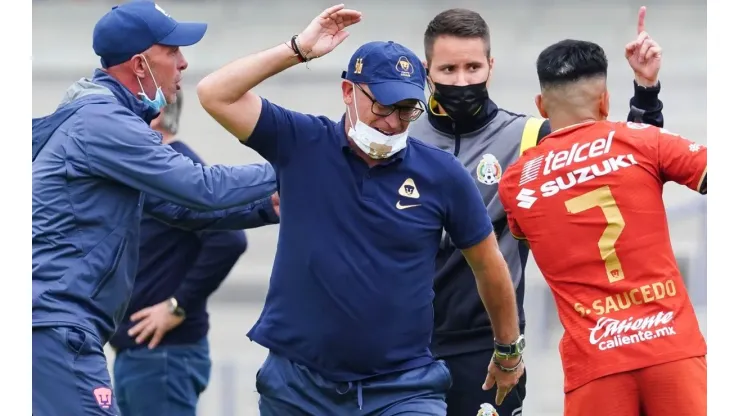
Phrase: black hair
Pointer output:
(461, 23)
(569, 61)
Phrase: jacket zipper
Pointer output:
(457, 139)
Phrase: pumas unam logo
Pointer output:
(408, 189)
(489, 170)
(404, 67)
(104, 397)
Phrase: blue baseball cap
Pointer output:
(391, 71)
(131, 28)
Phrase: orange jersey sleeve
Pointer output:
(682, 160)
(678, 159)
(589, 201)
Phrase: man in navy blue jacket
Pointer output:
(163, 335)
(94, 160)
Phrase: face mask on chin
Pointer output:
(159, 100)
(372, 142)
(461, 102)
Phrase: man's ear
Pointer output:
(139, 66)
(538, 101)
(347, 96)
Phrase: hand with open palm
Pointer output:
(644, 54)
(326, 31)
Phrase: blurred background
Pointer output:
(62, 53)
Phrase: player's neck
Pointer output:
(561, 121)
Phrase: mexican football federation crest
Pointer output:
(489, 170)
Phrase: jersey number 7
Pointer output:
(602, 197)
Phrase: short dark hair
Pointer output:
(461, 23)
(569, 61)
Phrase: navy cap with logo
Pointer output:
(391, 71)
(133, 27)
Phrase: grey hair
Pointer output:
(171, 115)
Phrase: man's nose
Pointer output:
(394, 120)
(183, 62)
(460, 79)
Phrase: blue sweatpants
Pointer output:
(70, 374)
(287, 388)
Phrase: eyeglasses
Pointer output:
(405, 113)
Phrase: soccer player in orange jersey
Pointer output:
(588, 199)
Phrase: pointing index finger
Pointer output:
(641, 19)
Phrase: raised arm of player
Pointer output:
(227, 93)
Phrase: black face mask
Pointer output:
(461, 102)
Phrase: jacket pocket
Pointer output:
(111, 271)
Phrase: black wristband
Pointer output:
(297, 50)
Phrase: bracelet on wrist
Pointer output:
(508, 369)
(300, 54)
(501, 356)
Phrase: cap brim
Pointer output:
(388, 93)
(185, 34)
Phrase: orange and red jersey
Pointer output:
(589, 200)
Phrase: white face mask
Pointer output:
(374, 143)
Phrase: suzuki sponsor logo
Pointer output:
(587, 173)
(526, 198)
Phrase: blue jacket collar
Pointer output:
(124, 96)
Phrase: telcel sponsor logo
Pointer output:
(577, 154)
(581, 153)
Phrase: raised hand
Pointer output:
(326, 31)
(644, 54)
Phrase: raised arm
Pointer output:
(644, 56)
(227, 93)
